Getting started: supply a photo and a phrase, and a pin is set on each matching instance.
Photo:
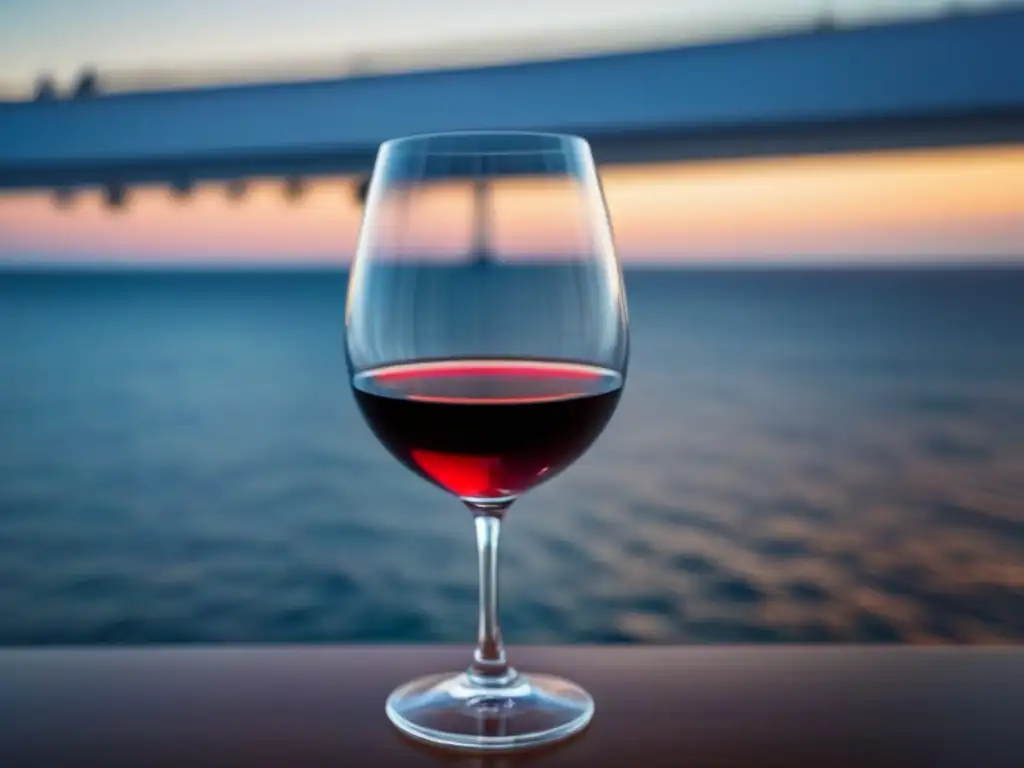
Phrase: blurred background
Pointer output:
(819, 205)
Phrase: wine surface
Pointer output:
(487, 429)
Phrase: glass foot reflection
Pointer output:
(455, 710)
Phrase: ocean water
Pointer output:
(800, 455)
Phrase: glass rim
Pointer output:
(424, 139)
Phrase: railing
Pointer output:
(704, 26)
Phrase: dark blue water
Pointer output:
(799, 456)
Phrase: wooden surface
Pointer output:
(324, 706)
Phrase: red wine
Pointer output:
(487, 429)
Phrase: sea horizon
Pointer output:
(1008, 262)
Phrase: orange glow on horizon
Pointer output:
(155, 227)
(971, 199)
(936, 202)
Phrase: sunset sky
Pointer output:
(934, 204)
(62, 36)
(894, 206)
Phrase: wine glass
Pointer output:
(487, 342)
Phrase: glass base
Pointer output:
(468, 712)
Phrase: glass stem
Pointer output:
(489, 664)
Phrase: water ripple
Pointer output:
(831, 457)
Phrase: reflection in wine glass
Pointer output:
(487, 356)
